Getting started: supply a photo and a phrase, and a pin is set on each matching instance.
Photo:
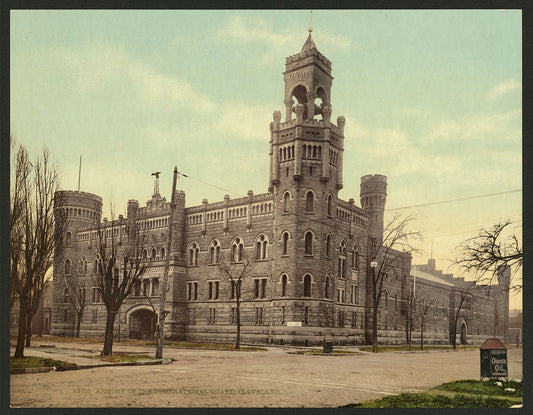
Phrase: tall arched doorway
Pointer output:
(463, 333)
(142, 324)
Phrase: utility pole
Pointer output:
(162, 311)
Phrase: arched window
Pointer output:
(285, 243)
(66, 295)
(237, 250)
(396, 300)
(286, 201)
(95, 264)
(214, 252)
(308, 243)
(194, 250)
(84, 266)
(153, 254)
(68, 239)
(67, 266)
(386, 299)
(330, 205)
(307, 285)
(145, 254)
(309, 200)
(284, 280)
(162, 253)
(327, 287)
(328, 246)
(261, 247)
(342, 259)
(355, 258)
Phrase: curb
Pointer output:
(22, 370)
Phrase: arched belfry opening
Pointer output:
(299, 96)
(321, 100)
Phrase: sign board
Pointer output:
(494, 363)
(493, 359)
(294, 324)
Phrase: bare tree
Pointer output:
(462, 299)
(236, 269)
(17, 201)
(76, 292)
(421, 311)
(115, 277)
(407, 311)
(486, 253)
(32, 234)
(381, 256)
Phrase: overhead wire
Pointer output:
(336, 227)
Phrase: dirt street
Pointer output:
(276, 378)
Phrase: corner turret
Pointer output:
(373, 198)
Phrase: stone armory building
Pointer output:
(305, 245)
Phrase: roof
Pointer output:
(492, 344)
(309, 44)
(429, 277)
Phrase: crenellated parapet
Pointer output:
(78, 208)
(307, 53)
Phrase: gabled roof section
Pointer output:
(418, 273)
(493, 344)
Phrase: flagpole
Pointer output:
(79, 176)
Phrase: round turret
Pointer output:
(373, 198)
(373, 191)
(80, 208)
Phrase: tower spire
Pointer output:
(310, 22)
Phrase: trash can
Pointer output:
(327, 346)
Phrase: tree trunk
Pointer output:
(159, 339)
(422, 335)
(28, 328)
(453, 336)
(375, 329)
(21, 336)
(109, 328)
(410, 326)
(78, 324)
(238, 339)
(41, 321)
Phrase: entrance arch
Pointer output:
(142, 324)
(463, 333)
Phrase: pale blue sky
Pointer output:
(432, 99)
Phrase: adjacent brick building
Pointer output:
(306, 278)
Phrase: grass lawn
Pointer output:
(32, 361)
(458, 394)
(416, 348)
(167, 343)
(483, 387)
(336, 352)
(122, 358)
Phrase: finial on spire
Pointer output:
(311, 22)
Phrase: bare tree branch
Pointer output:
(486, 253)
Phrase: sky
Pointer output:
(432, 99)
